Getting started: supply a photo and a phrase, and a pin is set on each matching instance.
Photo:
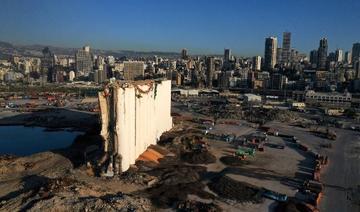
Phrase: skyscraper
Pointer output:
(314, 57)
(355, 52)
(286, 46)
(184, 54)
(348, 57)
(279, 56)
(322, 53)
(270, 52)
(339, 55)
(83, 60)
(210, 69)
(47, 63)
(227, 55)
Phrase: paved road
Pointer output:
(342, 174)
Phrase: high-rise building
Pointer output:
(286, 46)
(278, 81)
(257, 63)
(314, 57)
(322, 53)
(348, 57)
(99, 62)
(357, 69)
(47, 63)
(184, 54)
(83, 60)
(133, 70)
(227, 55)
(100, 76)
(339, 55)
(355, 52)
(279, 55)
(270, 52)
(210, 69)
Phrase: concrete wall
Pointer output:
(141, 114)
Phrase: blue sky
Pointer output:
(201, 26)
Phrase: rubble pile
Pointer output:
(233, 161)
(198, 157)
(136, 177)
(228, 188)
(196, 206)
(261, 115)
(175, 182)
(116, 202)
(67, 194)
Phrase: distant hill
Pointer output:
(35, 51)
(5, 45)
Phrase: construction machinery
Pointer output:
(329, 134)
(243, 152)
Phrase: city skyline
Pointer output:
(142, 26)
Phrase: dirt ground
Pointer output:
(188, 179)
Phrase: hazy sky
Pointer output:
(201, 26)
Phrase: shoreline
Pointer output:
(51, 119)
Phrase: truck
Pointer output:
(274, 195)
(313, 186)
(303, 147)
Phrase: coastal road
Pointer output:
(342, 176)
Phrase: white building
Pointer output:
(257, 63)
(71, 76)
(248, 97)
(339, 55)
(331, 100)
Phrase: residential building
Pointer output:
(331, 100)
(355, 52)
(84, 61)
(133, 70)
(286, 46)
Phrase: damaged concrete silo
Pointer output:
(134, 114)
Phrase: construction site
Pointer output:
(151, 151)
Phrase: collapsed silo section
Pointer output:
(133, 116)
